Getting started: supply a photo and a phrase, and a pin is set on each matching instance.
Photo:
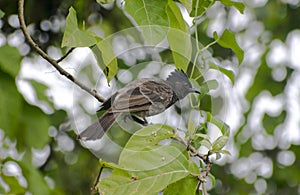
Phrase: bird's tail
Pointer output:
(97, 129)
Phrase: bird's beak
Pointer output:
(194, 90)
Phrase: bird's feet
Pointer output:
(143, 121)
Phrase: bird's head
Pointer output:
(180, 84)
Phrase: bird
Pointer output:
(140, 99)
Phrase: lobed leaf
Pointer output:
(151, 17)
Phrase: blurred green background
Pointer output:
(41, 112)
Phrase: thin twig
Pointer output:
(66, 55)
(53, 62)
(191, 148)
(205, 158)
(97, 180)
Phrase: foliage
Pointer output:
(127, 38)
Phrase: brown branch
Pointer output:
(94, 190)
(205, 158)
(191, 149)
(52, 61)
(66, 55)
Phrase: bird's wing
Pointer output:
(141, 97)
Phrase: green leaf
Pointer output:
(201, 135)
(143, 145)
(188, 4)
(206, 143)
(151, 18)
(40, 91)
(148, 166)
(225, 152)
(35, 180)
(34, 124)
(10, 65)
(207, 86)
(271, 122)
(73, 36)
(218, 155)
(191, 128)
(14, 185)
(186, 185)
(212, 178)
(106, 58)
(105, 1)
(1, 13)
(238, 5)
(179, 37)
(199, 7)
(57, 118)
(220, 124)
(228, 73)
(228, 40)
(219, 143)
(10, 105)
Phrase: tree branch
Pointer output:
(205, 158)
(52, 61)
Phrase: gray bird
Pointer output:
(140, 98)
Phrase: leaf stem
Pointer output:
(66, 55)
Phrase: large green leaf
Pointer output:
(186, 185)
(148, 167)
(144, 143)
(179, 37)
(151, 17)
(228, 40)
(73, 36)
(10, 60)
